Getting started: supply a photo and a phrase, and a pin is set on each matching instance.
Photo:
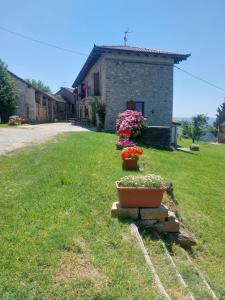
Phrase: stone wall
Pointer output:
(99, 67)
(138, 78)
(26, 105)
(157, 136)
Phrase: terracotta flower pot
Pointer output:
(139, 196)
(130, 163)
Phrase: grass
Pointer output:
(59, 242)
(4, 126)
(8, 126)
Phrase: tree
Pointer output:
(220, 116)
(8, 93)
(195, 128)
(39, 85)
(185, 129)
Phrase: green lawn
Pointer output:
(59, 242)
(4, 126)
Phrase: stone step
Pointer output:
(158, 213)
(118, 211)
(159, 219)
(168, 226)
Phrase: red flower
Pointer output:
(123, 133)
(131, 152)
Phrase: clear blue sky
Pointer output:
(194, 26)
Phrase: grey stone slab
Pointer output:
(118, 211)
(159, 213)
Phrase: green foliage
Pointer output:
(93, 108)
(8, 93)
(195, 128)
(186, 129)
(212, 129)
(39, 85)
(220, 116)
(100, 114)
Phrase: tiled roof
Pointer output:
(69, 89)
(36, 89)
(97, 51)
(143, 50)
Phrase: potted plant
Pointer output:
(141, 191)
(130, 157)
(124, 141)
(124, 144)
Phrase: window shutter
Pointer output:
(131, 105)
(96, 84)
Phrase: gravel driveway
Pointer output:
(17, 137)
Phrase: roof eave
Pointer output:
(92, 58)
(97, 51)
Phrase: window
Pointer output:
(139, 106)
(136, 105)
(96, 84)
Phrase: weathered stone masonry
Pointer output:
(139, 80)
(129, 77)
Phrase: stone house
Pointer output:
(127, 77)
(68, 95)
(38, 106)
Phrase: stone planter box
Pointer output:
(139, 196)
(130, 164)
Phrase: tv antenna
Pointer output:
(125, 36)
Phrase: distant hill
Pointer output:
(179, 119)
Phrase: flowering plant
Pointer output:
(124, 134)
(125, 143)
(130, 120)
(131, 152)
(149, 181)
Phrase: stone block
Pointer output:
(168, 226)
(159, 213)
(171, 216)
(118, 211)
(185, 240)
(149, 223)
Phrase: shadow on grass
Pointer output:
(153, 235)
(147, 233)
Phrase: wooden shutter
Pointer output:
(131, 105)
(96, 84)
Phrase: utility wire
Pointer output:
(81, 53)
(201, 79)
(41, 42)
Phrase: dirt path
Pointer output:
(17, 137)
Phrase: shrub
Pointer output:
(17, 120)
(130, 120)
(150, 181)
